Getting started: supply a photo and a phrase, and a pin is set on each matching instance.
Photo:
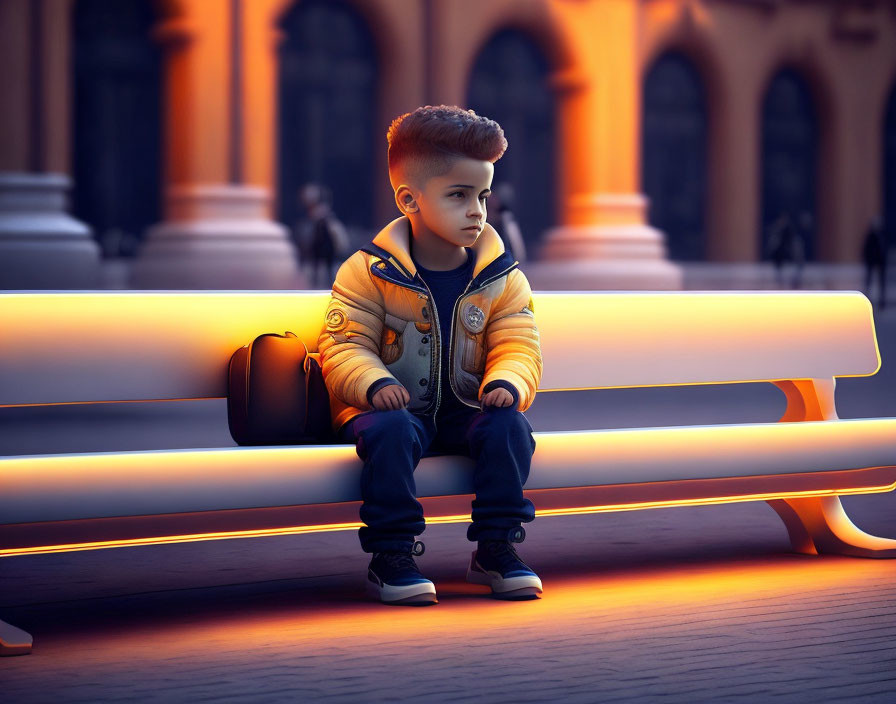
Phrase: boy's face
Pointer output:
(452, 206)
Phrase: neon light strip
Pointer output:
(100, 403)
(171, 539)
(814, 493)
(460, 518)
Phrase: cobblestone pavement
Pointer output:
(683, 605)
(674, 605)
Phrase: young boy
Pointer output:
(430, 345)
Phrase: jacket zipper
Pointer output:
(466, 292)
(437, 350)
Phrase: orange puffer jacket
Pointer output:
(381, 323)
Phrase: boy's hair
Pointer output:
(426, 142)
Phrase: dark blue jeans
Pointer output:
(391, 444)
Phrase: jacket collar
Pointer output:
(395, 237)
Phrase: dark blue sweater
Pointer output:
(446, 287)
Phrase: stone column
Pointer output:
(602, 241)
(41, 245)
(218, 232)
(734, 218)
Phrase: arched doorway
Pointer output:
(789, 159)
(889, 180)
(673, 154)
(509, 84)
(327, 88)
(117, 121)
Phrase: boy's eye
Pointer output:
(460, 194)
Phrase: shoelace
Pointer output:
(404, 560)
(400, 560)
(505, 554)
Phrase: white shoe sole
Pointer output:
(420, 594)
(523, 587)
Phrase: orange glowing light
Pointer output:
(184, 340)
(455, 518)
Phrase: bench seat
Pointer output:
(692, 464)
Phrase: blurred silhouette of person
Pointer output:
(116, 243)
(303, 226)
(786, 248)
(502, 219)
(110, 243)
(322, 239)
(804, 225)
(874, 254)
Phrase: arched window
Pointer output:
(509, 84)
(673, 154)
(117, 120)
(789, 159)
(327, 96)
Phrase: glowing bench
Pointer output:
(139, 346)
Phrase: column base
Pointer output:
(41, 245)
(218, 237)
(604, 257)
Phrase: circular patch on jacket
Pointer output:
(473, 318)
(337, 319)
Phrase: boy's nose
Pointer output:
(476, 210)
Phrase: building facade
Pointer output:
(642, 132)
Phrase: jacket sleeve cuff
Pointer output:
(377, 385)
(502, 384)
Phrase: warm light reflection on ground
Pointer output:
(662, 592)
(638, 606)
(661, 597)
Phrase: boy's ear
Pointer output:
(405, 199)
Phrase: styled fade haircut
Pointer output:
(426, 142)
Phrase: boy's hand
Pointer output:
(391, 398)
(499, 398)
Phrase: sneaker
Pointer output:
(394, 578)
(496, 564)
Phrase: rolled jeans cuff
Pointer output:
(514, 534)
(403, 546)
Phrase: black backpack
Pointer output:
(276, 394)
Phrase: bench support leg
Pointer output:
(820, 525)
(13, 641)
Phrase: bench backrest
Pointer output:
(71, 347)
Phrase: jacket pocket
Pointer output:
(472, 354)
(392, 341)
